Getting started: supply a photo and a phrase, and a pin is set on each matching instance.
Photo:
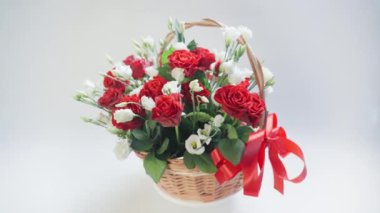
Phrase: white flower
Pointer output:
(268, 75)
(171, 87)
(218, 120)
(90, 88)
(194, 86)
(227, 67)
(245, 32)
(213, 95)
(193, 145)
(178, 74)
(151, 71)
(238, 75)
(122, 149)
(122, 71)
(103, 118)
(136, 91)
(148, 41)
(231, 33)
(180, 46)
(204, 134)
(123, 115)
(147, 103)
(268, 90)
(204, 99)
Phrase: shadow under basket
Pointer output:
(194, 185)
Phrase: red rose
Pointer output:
(239, 103)
(111, 82)
(168, 110)
(136, 122)
(184, 59)
(129, 60)
(185, 91)
(138, 68)
(206, 58)
(256, 109)
(110, 98)
(153, 87)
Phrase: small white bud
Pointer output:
(194, 86)
(147, 103)
(178, 74)
(151, 71)
(123, 115)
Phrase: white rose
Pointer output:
(178, 74)
(180, 46)
(151, 71)
(245, 32)
(218, 120)
(193, 145)
(238, 75)
(122, 149)
(147, 103)
(171, 87)
(194, 86)
(123, 115)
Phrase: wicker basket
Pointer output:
(185, 184)
(195, 185)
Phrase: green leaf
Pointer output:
(154, 167)
(192, 45)
(231, 132)
(140, 135)
(232, 150)
(164, 146)
(188, 160)
(244, 132)
(151, 124)
(165, 55)
(199, 116)
(204, 163)
(141, 145)
(164, 71)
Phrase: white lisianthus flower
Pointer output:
(204, 99)
(147, 103)
(171, 87)
(218, 120)
(136, 90)
(151, 71)
(123, 115)
(204, 134)
(193, 145)
(227, 67)
(245, 32)
(268, 75)
(122, 71)
(148, 41)
(238, 75)
(195, 86)
(231, 33)
(122, 149)
(178, 74)
(90, 88)
(180, 46)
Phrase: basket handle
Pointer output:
(253, 60)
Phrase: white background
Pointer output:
(325, 55)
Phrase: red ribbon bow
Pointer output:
(253, 159)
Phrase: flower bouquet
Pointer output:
(197, 119)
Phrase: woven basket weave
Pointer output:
(195, 185)
(185, 184)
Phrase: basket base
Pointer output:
(189, 203)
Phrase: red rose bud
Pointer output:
(256, 109)
(168, 110)
(184, 59)
(110, 81)
(138, 69)
(206, 58)
(136, 122)
(185, 91)
(153, 87)
(110, 97)
(129, 60)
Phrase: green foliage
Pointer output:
(232, 150)
(164, 146)
(201, 76)
(164, 72)
(192, 45)
(204, 163)
(231, 132)
(199, 116)
(189, 160)
(244, 132)
(165, 55)
(154, 167)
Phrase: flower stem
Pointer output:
(177, 134)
